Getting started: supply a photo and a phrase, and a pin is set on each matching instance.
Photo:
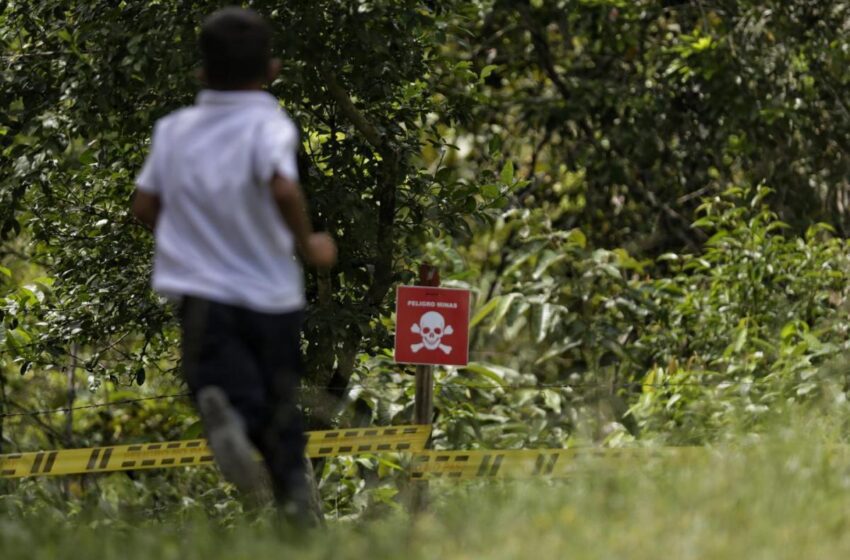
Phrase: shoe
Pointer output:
(234, 454)
(297, 508)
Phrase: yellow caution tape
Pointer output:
(525, 463)
(329, 443)
(425, 464)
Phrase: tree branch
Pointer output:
(544, 54)
(545, 59)
(387, 179)
(2, 405)
(386, 188)
(53, 435)
(346, 105)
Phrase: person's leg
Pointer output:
(276, 341)
(226, 383)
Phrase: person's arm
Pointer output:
(317, 249)
(146, 203)
(146, 207)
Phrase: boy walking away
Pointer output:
(220, 190)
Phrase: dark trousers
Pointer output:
(255, 358)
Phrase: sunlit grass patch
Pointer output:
(786, 495)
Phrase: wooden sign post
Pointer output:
(423, 399)
(432, 328)
(423, 407)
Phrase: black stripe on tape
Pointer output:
(345, 448)
(551, 466)
(442, 458)
(127, 464)
(384, 447)
(93, 459)
(361, 448)
(410, 430)
(325, 450)
(462, 458)
(353, 433)
(167, 462)
(134, 448)
(193, 444)
(173, 445)
(494, 470)
(417, 475)
(206, 458)
(370, 433)
(331, 435)
(104, 461)
(51, 460)
(485, 465)
(538, 464)
(8, 472)
(186, 460)
(390, 432)
(154, 446)
(402, 446)
(148, 462)
(36, 465)
(14, 456)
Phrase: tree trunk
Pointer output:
(3, 408)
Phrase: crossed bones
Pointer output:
(430, 338)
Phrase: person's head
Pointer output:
(236, 50)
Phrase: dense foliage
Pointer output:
(648, 200)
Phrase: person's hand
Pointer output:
(320, 250)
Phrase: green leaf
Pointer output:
(611, 271)
(671, 402)
(703, 43)
(552, 400)
(788, 330)
(577, 237)
(507, 174)
(87, 157)
(495, 145)
(194, 431)
(505, 302)
(777, 225)
(557, 350)
(548, 313)
(546, 262)
(488, 372)
(484, 311)
(487, 70)
(490, 191)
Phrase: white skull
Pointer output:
(432, 328)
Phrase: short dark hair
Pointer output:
(235, 48)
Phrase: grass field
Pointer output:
(782, 496)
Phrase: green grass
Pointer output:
(784, 496)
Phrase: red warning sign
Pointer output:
(432, 326)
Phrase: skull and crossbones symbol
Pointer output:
(432, 328)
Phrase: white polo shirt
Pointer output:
(219, 234)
